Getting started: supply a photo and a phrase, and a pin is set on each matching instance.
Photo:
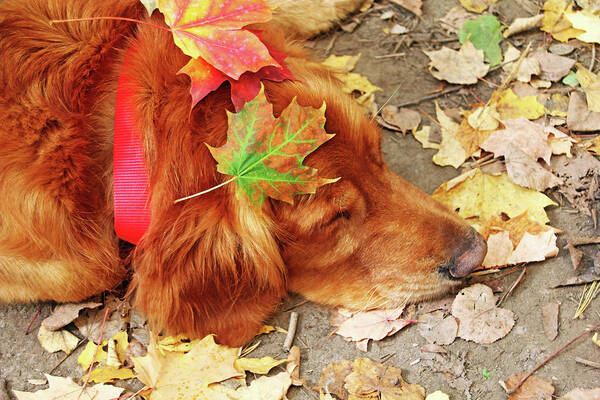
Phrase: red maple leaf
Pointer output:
(205, 79)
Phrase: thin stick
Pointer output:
(513, 286)
(587, 362)
(393, 55)
(137, 21)
(33, 319)
(593, 57)
(387, 101)
(541, 364)
(89, 372)
(296, 305)
(130, 396)
(430, 97)
(206, 191)
(287, 344)
(429, 117)
(66, 356)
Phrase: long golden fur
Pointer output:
(211, 264)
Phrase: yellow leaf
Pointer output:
(554, 10)
(591, 86)
(595, 145)
(486, 196)
(174, 375)
(422, 136)
(437, 395)
(257, 365)
(477, 6)
(510, 106)
(266, 329)
(342, 63)
(451, 151)
(53, 341)
(66, 389)
(588, 22)
(263, 388)
(87, 355)
(595, 339)
(109, 374)
(121, 341)
(178, 344)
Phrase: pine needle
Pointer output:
(588, 294)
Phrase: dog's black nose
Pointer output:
(469, 259)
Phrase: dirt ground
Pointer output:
(403, 78)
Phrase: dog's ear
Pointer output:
(209, 266)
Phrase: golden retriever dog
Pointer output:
(211, 264)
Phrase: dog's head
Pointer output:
(214, 265)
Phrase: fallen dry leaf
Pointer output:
(401, 119)
(451, 151)
(64, 314)
(423, 136)
(437, 329)
(486, 196)
(293, 366)
(550, 319)
(591, 86)
(185, 375)
(477, 6)
(342, 63)
(527, 172)
(455, 19)
(355, 84)
(66, 389)
(478, 317)
(533, 388)
(375, 325)
(371, 380)
(553, 67)
(529, 66)
(527, 136)
(578, 174)
(523, 24)
(463, 66)
(53, 341)
(437, 395)
(510, 106)
(587, 22)
(555, 21)
(264, 388)
(582, 394)
(414, 6)
(257, 365)
(89, 324)
(333, 377)
(107, 364)
(579, 116)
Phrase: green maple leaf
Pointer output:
(264, 154)
(485, 33)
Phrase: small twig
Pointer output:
(475, 96)
(593, 57)
(89, 372)
(66, 356)
(33, 319)
(429, 117)
(392, 55)
(587, 362)
(512, 287)
(296, 305)
(541, 364)
(387, 101)
(287, 344)
(206, 191)
(430, 97)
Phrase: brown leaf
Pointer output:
(533, 388)
(89, 324)
(370, 380)
(463, 66)
(401, 119)
(575, 254)
(414, 6)
(333, 376)
(436, 329)
(293, 366)
(550, 319)
(579, 116)
(478, 317)
(523, 24)
(64, 314)
(582, 394)
(455, 19)
(528, 66)
(553, 67)
(527, 172)
(528, 136)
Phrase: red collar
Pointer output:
(130, 175)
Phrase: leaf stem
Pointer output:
(206, 191)
(137, 21)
